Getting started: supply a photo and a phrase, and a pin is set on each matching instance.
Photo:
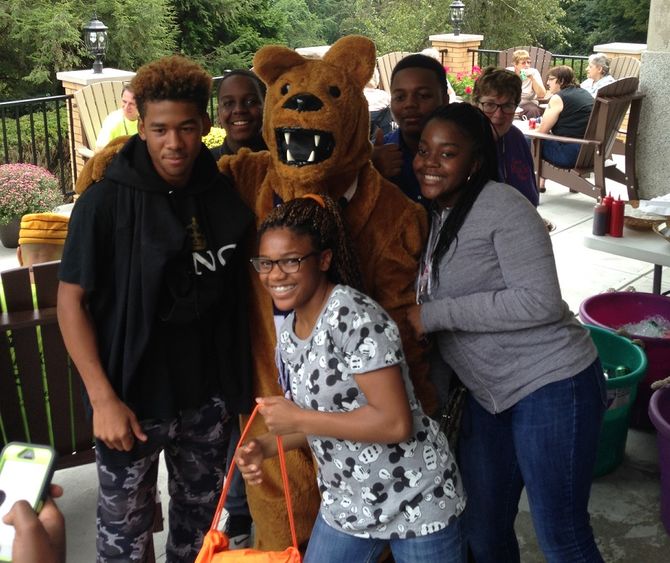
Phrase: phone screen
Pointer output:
(20, 479)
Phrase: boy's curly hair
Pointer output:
(174, 78)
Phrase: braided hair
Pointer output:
(473, 124)
(323, 224)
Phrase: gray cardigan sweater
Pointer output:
(497, 312)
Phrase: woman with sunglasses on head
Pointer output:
(385, 472)
(491, 299)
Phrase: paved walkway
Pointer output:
(624, 504)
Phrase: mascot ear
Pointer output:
(355, 55)
(272, 61)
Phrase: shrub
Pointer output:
(57, 158)
(463, 83)
(26, 188)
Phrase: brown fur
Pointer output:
(387, 231)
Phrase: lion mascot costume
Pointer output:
(316, 126)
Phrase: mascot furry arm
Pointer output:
(316, 126)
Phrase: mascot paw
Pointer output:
(94, 170)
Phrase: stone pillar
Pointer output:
(454, 50)
(612, 50)
(653, 164)
(73, 81)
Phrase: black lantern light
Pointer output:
(456, 12)
(95, 37)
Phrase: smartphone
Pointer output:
(25, 474)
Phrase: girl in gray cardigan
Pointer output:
(489, 295)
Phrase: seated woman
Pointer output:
(598, 74)
(497, 93)
(490, 297)
(567, 115)
(531, 83)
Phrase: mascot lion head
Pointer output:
(316, 121)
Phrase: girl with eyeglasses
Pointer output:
(491, 300)
(385, 472)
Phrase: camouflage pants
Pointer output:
(194, 446)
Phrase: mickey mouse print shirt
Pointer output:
(383, 491)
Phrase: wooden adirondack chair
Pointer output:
(385, 64)
(608, 111)
(95, 102)
(41, 396)
(539, 59)
(625, 67)
(40, 392)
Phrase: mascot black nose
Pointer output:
(303, 102)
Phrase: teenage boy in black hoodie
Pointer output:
(152, 309)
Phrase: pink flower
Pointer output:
(468, 90)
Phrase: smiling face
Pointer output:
(173, 132)
(300, 291)
(444, 162)
(240, 109)
(415, 93)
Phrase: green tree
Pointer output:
(592, 22)
(508, 23)
(41, 37)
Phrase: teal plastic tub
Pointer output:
(616, 351)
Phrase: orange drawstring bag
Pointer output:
(215, 544)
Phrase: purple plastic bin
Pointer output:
(615, 309)
(659, 412)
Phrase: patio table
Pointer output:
(646, 246)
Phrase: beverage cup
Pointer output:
(532, 122)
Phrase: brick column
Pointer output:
(73, 81)
(454, 50)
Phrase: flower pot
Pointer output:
(9, 233)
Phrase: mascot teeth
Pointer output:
(300, 147)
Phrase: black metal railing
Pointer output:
(36, 131)
(489, 57)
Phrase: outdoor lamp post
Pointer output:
(456, 12)
(95, 37)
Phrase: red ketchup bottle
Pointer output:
(616, 219)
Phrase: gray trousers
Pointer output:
(195, 445)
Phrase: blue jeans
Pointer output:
(546, 442)
(328, 545)
(560, 154)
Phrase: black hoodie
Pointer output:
(126, 235)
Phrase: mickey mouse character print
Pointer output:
(385, 472)
(370, 490)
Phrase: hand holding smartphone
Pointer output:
(25, 474)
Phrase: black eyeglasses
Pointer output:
(286, 265)
(491, 107)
